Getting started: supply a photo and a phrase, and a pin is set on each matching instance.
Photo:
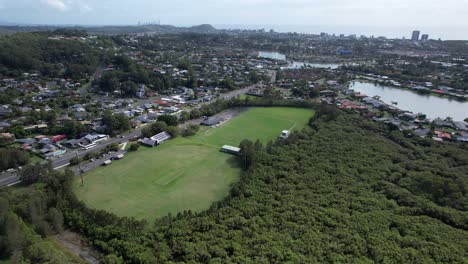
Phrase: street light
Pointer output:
(79, 168)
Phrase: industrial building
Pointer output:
(156, 139)
(212, 121)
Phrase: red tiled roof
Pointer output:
(441, 134)
(439, 91)
(160, 102)
(58, 138)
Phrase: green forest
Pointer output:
(40, 53)
(343, 190)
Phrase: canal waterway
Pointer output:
(430, 105)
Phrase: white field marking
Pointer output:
(293, 127)
(124, 145)
(11, 184)
(59, 167)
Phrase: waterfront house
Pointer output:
(460, 125)
(4, 110)
(443, 135)
(422, 132)
(4, 125)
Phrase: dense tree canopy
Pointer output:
(342, 190)
(170, 120)
(36, 52)
(12, 158)
(29, 215)
(346, 190)
(127, 74)
(115, 123)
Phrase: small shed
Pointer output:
(107, 162)
(230, 150)
(285, 134)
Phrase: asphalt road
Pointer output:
(8, 178)
(62, 161)
(65, 159)
(96, 162)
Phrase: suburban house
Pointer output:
(161, 103)
(422, 132)
(153, 115)
(27, 141)
(35, 127)
(5, 110)
(460, 125)
(371, 101)
(7, 137)
(51, 150)
(4, 125)
(443, 135)
(78, 108)
(329, 93)
(58, 138)
(95, 138)
(141, 93)
(86, 141)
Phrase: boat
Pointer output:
(394, 103)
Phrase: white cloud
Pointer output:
(56, 4)
(84, 8)
(406, 14)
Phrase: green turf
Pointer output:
(244, 96)
(258, 123)
(35, 158)
(182, 174)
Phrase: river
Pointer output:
(296, 64)
(430, 105)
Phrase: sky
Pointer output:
(447, 18)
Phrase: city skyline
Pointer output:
(334, 14)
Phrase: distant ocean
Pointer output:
(444, 33)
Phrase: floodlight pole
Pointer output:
(79, 168)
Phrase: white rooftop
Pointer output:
(231, 148)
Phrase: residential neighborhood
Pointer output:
(51, 117)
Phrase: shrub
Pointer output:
(134, 147)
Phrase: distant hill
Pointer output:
(7, 29)
(203, 28)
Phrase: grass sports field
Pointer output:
(184, 173)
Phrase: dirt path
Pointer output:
(226, 115)
(76, 244)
